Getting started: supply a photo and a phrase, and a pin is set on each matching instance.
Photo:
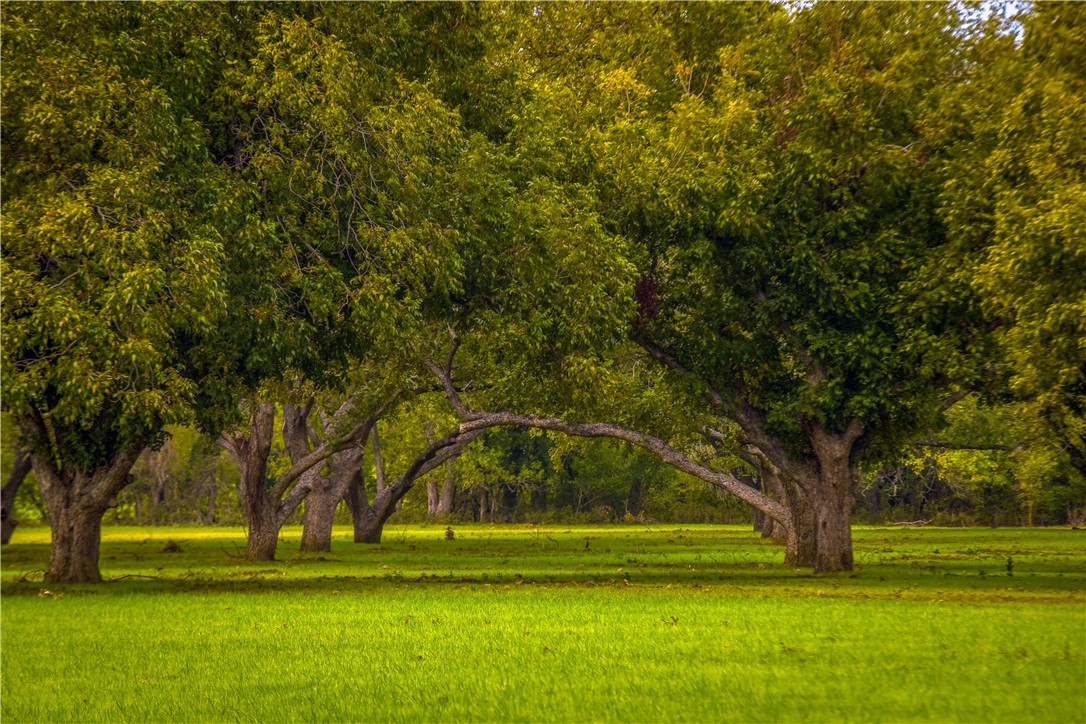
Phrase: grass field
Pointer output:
(628, 623)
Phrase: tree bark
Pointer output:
(635, 500)
(431, 499)
(19, 471)
(319, 516)
(76, 502)
(447, 499)
(832, 500)
(250, 450)
(800, 538)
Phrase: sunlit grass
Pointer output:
(668, 623)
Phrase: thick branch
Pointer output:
(327, 449)
(654, 445)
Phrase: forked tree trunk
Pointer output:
(369, 524)
(250, 451)
(19, 471)
(76, 502)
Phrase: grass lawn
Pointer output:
(559, 623)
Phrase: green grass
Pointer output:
(661, 623)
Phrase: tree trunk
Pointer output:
(635, 500)
(799, 539)
(378, 461)
(263, 530)
(484, 504)
(447, 499)
(320, 512)
(211, 504)
(431, 499)
(76, 502)
(358, 501)
(773, 486)
(77, 537)
(832, 497)
(19, 471)
(251, 450)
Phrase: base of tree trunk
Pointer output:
(262, 544)
(73, 557)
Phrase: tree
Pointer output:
(776, 181)
(125, 249)
(1016, 204)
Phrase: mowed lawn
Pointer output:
(553, 623)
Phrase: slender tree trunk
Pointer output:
(447, 499)
(378, 461)
(19, 471)
(76, 502)
(635, 500)
(358, 501)
(431, 499)
(211, 489)
(773, 487)
(484, 504)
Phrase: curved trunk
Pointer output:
(19, 472)
(263, 535)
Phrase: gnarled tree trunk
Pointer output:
(831, 495)
(250, 450)
(76, 502)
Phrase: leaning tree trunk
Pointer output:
(19, 472)
(370, 522)
(76, 502)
